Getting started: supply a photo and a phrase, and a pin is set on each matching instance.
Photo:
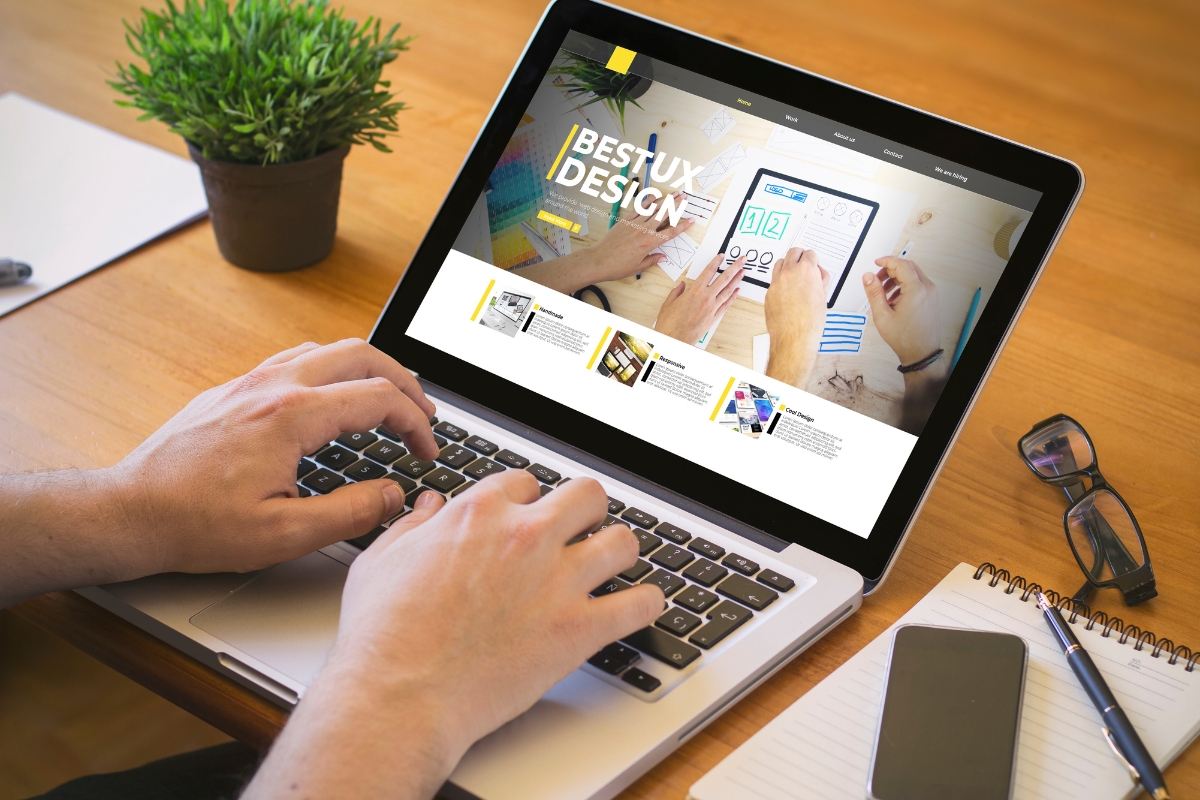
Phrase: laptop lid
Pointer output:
(614, 133)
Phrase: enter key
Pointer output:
(726, 618)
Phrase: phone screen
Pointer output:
(951, 711)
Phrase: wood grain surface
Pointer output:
(1111, 335)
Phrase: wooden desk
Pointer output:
(1111, 335)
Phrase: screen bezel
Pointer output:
(1058, 180)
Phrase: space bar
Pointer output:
(663, 646)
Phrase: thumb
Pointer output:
(427, 504)
(876, 296)
(313, 522)
(676, 290)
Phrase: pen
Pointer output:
(13, 273)
(962, 337)
(1121, 736)
(651, 147)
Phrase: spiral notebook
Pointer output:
(820, 747)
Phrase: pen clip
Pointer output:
(1133, 773)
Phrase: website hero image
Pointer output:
(681, 260)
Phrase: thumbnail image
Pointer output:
(506, 312)
(624, 358)
(748, 410)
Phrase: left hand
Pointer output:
(691, 309)
(795, 312)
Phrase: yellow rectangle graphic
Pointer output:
(721, 402)
(553, 219)
(561, 150)
(620, 60)
(600, 347)
(483, 299)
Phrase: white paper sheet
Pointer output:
(821, 746)
(717, 125)
(700, 207)
(721, 167)
(74, 196)
(679, 252)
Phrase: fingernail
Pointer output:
(868, 279)
(425, 499)
(393, 499)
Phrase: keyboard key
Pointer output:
(614, 658)
(642, 680)
(405, 484)
(676, 535)
(740, 564)
(323, 481)
(610, 586)
(510, 459)
(706, 548)
(336, 457)
(314, 453)
(440, 441)
(390, 434)
(450, 431)
(365, 470)
(456, 456)
(357, 441)
(639, 570)
(544, 490)
(304, 492)
(410, 499)
(615, 506)
(304, 467)
(443, 479)
(433, 421)
(678, 621)
(367, 539)
(608, 521)
(663, 646)
(726, 618)
(705, 572)
(545, 474)
(412, 466)
(696, 599)
(463, 488)
(670, 584)
(772, 578)
(480, 445)
(672, 557)
(747, 592)
(384, 452)
(647, 542)
(638, 517)
(480, 468)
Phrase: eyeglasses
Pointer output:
(1103, 534)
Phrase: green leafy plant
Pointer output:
(611, 87)
(268, 82)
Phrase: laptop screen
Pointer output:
(767, 293)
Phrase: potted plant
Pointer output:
(269, 95)
(602, 85)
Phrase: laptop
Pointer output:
(768, 503)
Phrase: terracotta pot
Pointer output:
(274, 218)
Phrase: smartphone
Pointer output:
(950, 717)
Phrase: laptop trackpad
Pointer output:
(286, 617)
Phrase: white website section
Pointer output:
(831, 462)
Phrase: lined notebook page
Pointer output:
(820, 747)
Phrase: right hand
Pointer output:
(454, 621)
(904, 305)
(691, 309)
(795, 312)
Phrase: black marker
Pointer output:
(1118, 730)
(14, 273)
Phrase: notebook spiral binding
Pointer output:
(1141, 638)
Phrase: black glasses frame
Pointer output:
(1135, 582)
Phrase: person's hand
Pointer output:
(623, 250)
(215, 488)
(904, 305)
(795, 313)
(690, 310)
(454, 621)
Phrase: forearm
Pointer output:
(337, 744)
(65, 529)
(921, 392)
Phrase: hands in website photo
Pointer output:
(692, 308)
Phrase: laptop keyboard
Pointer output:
(711, 592)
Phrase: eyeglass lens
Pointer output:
(1059, 448)
(1103, 535)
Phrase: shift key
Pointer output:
(726, 618)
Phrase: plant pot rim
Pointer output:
(270, 174)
